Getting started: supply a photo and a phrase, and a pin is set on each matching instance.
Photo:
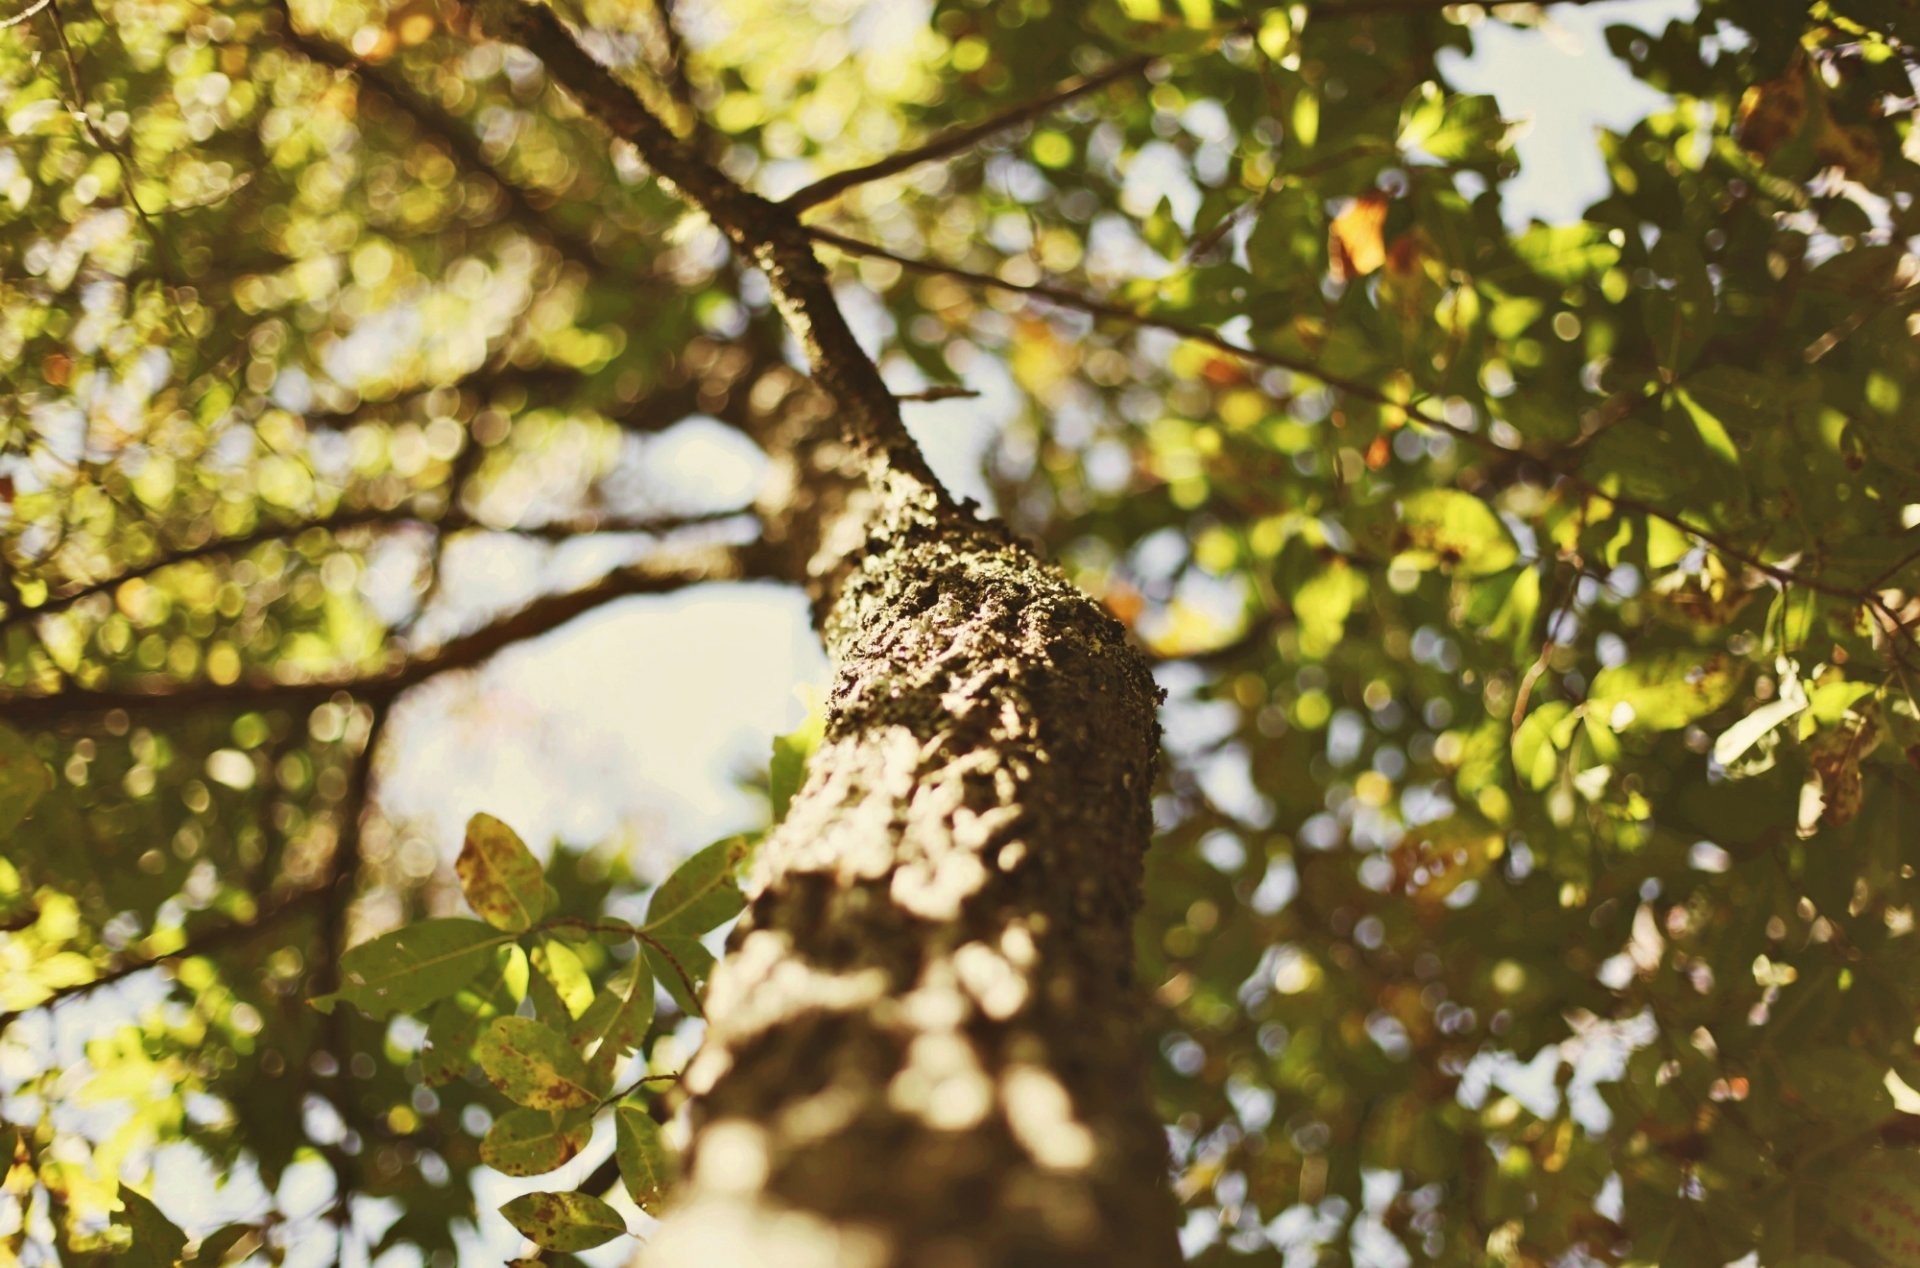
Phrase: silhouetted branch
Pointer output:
(129, 173)
(453, 135)
(957, 140)
(342, 521)
(339, 521)
(538, 381)
(1329, 10)
(673, 70)
(767, 233)
(343, 871)
(201, 943)
(938, 394)
(655, 576)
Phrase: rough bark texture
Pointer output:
(922, 1045)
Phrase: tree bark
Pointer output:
(922, 1045)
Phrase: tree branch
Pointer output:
(452, 134)
(546, 380)
(959, 139)
(550, 531)
(343, 871)
(240, 543)
(672, 71)
(657, 576)
(199, 944)
(1411, 408)
(1369, 8)
(769, 235)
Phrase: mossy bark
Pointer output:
(923, 1045)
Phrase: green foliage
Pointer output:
(533, 1065)
(24, 779)
(530, 1142)
(1536, 601)
(700, 894)
(646, 1162)
(152, 1239)
(564, 1221)
(499, 876)
(619, 1015)
(413, 967)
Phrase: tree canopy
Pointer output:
(1535, 603)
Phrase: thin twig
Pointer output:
(343, 521)
(955, 140)
(938, 394)
(672, 71)
(767, 233)
(657, 576)
(680, 970)
(200, 944)
(25, 14)
(455, 137)
(129, 174)
(1547, 645)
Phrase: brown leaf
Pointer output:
(1851, 148)
(1355, 244)
(1772, 112)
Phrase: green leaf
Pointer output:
(1565, 254)
(155, 1239)
(500, 877)
(1505, 606)
(1321, 606)
(1712, 434)
(1453, 128)
(1679, 312)
(530, 1142)
(415, 966)
(24, 779)
(647, 1165)
(559, 966)
(619, 1016)
(701, 893)
(1536, 758)
(217, 1245)
(1834, 697)
(1660, 693)
(1793, 618)
(1666, 545)
(533, 1065)
(682, 966)
(1450, 528)
(788, 769)
(564, 1221)
(455, 1025)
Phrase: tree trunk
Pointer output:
(923, 1044)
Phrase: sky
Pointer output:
(642, 718)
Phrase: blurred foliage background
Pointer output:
(1536, 601)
